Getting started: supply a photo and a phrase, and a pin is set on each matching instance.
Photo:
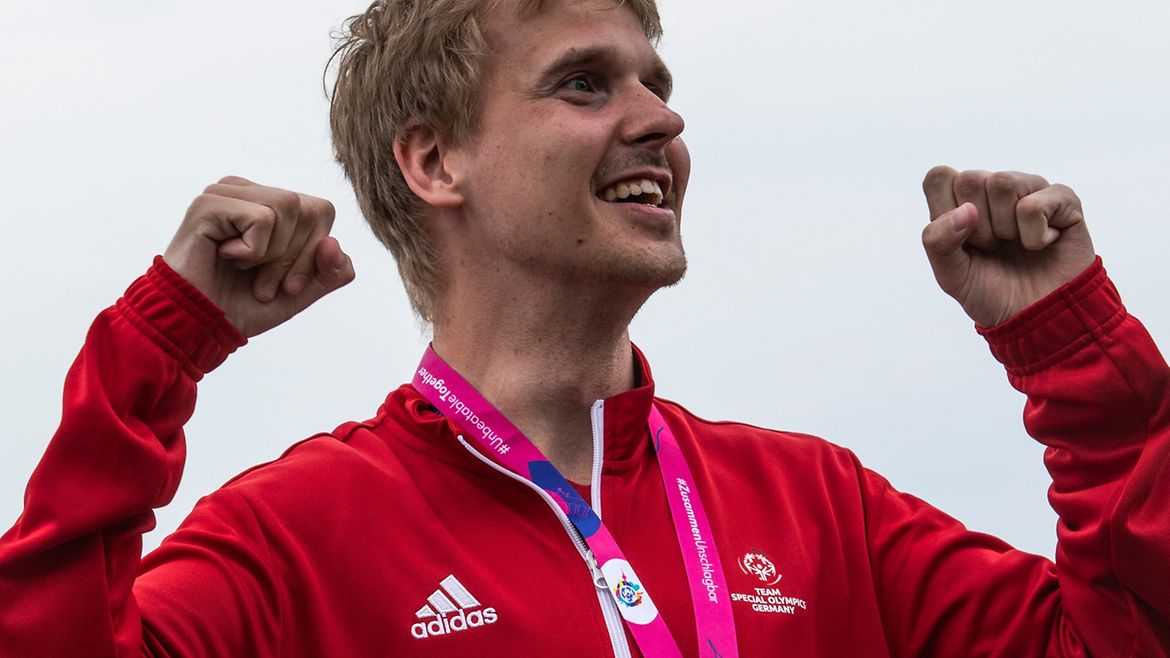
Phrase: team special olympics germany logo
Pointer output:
(766, 598)
(755, 563)
(628, 592)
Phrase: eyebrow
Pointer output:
(577, 57)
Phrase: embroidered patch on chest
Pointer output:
(451, 609)
(760, 588)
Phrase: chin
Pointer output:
(651, 274)
(672, 274)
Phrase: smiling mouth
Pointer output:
(637, 190)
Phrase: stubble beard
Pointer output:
(608, 273)
(639, 272)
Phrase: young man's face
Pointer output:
(574, 113)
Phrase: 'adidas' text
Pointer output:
(450, 610)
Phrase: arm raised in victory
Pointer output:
(245, 259)
(1014, 252)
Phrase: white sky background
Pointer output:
(809, 305)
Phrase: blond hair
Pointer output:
(422, 60)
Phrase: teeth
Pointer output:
(638, 187)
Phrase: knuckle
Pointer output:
(265, 217)
(287, 203)
(1065, 191)
(1003, 182)
(970, 183)
(200, 203)
(929, 236)
(935, 237)
(317, 208)
(938, 176)
(328, 210)
(1029, 207)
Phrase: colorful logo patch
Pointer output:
(635, 604)
(628, 592)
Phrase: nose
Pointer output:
(650, 121)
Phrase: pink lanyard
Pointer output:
(491, 431)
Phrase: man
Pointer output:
(523, 165)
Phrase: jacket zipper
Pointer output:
(613, 619)
(596, 420)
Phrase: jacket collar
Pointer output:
(626, 439)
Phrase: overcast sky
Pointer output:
(809, 305)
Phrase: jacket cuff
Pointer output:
(1072, 316)
(179, 319)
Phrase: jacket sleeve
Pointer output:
(68, 565)
(1098, 398)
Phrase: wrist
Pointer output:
(180, 319)
(1057, 325)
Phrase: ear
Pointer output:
(421, 155)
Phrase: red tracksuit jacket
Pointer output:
(387, 537)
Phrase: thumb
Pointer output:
(943, 239)
(334, 270)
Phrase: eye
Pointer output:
(580, 83)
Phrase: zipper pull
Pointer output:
(595, 569)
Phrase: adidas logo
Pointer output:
(439, 609)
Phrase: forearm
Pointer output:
(1098, 398)
(1096, 389)
(68, 565)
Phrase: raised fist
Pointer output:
(998, 242)
(262, 254)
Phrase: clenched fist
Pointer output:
(260, 253)
(998, 242)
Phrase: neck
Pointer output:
(542, 358)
